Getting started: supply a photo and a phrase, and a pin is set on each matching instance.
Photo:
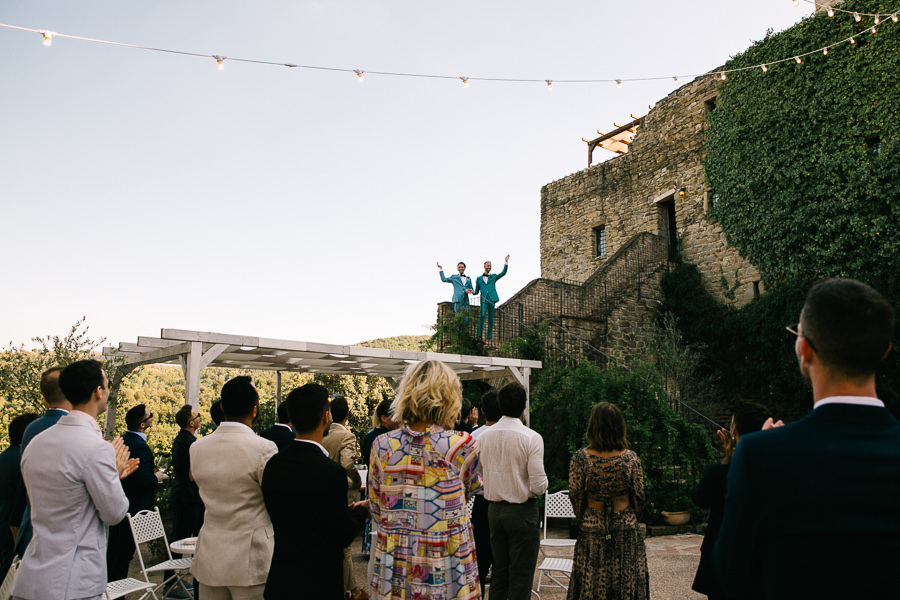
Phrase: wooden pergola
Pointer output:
(196, 350)
(616, 140)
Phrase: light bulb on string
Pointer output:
(619, 83)
(830, 12)
(874, 30)
(359, 74)
(675, 78)
(724, 77)
(765, 69)
(877, 19)
(48, 37)
(853, 41)
(856, 17)
(825, 51)
(894, 17)
(549, 85)
(465, 81)
(220, 60)
(797, 58)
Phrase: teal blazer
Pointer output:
(488, 290)
(459, 288)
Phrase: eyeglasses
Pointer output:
(795, 330)
(148, 418)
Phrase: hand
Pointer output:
(125, 465)
(440, 267)
(362, 503)
(507, 258)
(727, 444)
(161, 476)
(769, 424)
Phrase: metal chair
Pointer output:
(123, 587)
(145, 527)
(556, 506)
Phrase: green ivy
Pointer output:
(806, 157)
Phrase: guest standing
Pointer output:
(12, 490)
(420, 477)
(606, 487)
(382, 422)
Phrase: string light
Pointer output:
(830, 12)
(49, 35)
(856, 17)
(765, 69)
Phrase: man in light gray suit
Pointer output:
(236, 542)
(72, 477)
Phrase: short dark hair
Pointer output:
(239, 397)
(135, 416)
(512, 399)
(461, 263)
(17, 428)
(383, 410)
(750, 416)
(216, 413)
(306, 405)
(339, 408)
(606, 429)
(183, 416)
(53, 396)
(490, 406)
(464, 410)
(79, 380)
(849, 326)
(282, 414)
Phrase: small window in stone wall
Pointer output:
(712, 199)
(710, 104)
(600, 241)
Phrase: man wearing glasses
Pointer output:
(813, 508)
(140, 488)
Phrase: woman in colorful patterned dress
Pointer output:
(606, 487)
(419, 478)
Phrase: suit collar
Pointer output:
(873, 415)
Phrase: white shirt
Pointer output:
(321, 447)
(857, 400)
(511, 459)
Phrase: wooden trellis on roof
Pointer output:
(616, 141)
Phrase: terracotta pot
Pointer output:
(676, 518)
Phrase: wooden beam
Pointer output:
(156, 356)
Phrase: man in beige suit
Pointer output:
(341, 446)
(235, 545)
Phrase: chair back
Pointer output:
(557, 506)
(147, 526)
(7, 587)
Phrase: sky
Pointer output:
(147, 190)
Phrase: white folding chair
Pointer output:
(147, 526)
(556, 506)
(123, 587)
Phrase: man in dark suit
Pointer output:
(306, 497)
(57, 407)
(813, 508)
(748, 417)
(281, 432)
(486, 287)
(139, 487)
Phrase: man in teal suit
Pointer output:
(486, 285)
(462, 287)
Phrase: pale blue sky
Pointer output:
(148, 190)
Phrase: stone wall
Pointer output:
(632, 193)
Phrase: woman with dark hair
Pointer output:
(606, 487)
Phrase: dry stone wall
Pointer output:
(631, 194)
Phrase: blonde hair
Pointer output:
(430, 392)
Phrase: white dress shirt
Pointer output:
(511, 458)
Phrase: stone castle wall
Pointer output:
(629, 194)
